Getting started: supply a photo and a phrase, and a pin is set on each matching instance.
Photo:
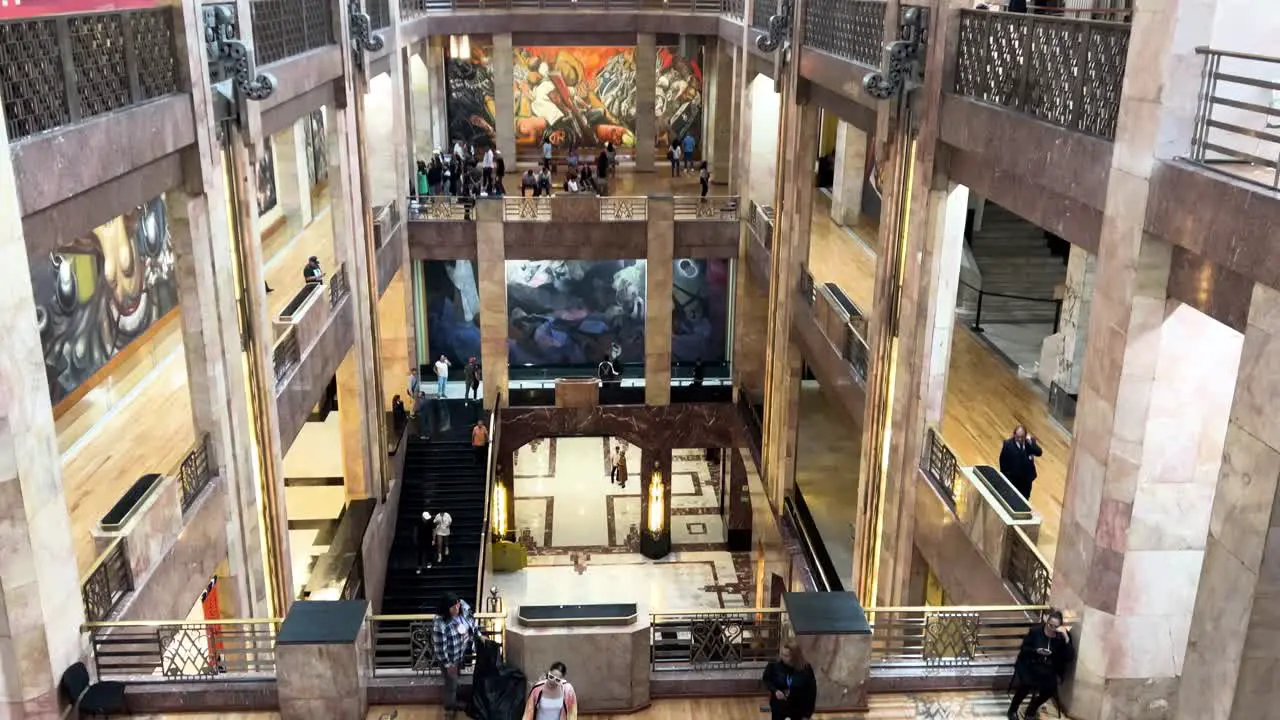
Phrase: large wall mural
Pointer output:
(470, 106)
(575, 96)
(267, 199)
(453, 310)
(101, 291)
(570, 312)
(700, 310)
(678, 98)
(317, 140)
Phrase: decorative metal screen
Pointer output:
(153, 42)
(379, 13)
(31, 78)
(98, 53)
(852, 30)
(762, 11)
(284, 28)
(1066, 72)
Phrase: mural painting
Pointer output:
(267, 199)
(99, 292)
(564, 312)
(453, 310)
(575, 96)
(470, 106)
(678, 99)
(317, 140)
(700, 309)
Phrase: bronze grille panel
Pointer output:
(152, 36)
(31, 78)
(379, 13)
(851, 30)
(98, 54)
(762, 11)
(284, 28)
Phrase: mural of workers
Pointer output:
(678, 99)
(101, 291)
(471, 109)
(267, 199)
(575, 96)
(317, 139)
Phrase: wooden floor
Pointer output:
(937, 706)
(153, 430)
(985, 397)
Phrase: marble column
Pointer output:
(491, 275)
(850, 172)
(750, 325)
(1062, 354)
(831, 630)
(293, 183)
(504, 99)
(659, 304)
(431, 93)
(764, 109)
(323, 661)
(646, 98)
(717, 131)
(655, 503)
(738, 499)
(356, 447)
(948, 206)
(1229, 669)
(40, 612)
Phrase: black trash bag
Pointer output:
(497, 689)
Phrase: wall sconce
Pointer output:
(656, 519)
(498, 525)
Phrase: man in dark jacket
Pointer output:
(602, 173)
(1018, 460)
(1045, 655)
(471, 376)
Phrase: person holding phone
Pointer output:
(1043, 659)
(552, 697)
(1018, 460)
(793, 689)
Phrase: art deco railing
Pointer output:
(761, 223)
(850, 29)
(623, 209)
(1065, 72)
(339, 287)
(386, 219)
(1025, 568)
(939, 464)
(285, 28)
(441, 207)
(401, 644)
(761, 11)
(712, 207)
(194, 472)
(714, 639)
(286, 355)
(1238, 116)
(733, 8)
(379, 13)
(526, 209)
(805, 286)
(206, 650)
(55, 71)
(107, 581)
(940, 638)
(856, 352)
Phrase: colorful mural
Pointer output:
(700, 310)
(453, 310)
(470, 106)
(101, 291)
(569, 312)
(678, 98)
(575, 96)
(317, 140)
(267, 178)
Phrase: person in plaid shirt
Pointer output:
(453, 634)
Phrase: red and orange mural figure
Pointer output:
(575, 96)
(677, 101)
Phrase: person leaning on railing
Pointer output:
(1043, 659)
(454, 633)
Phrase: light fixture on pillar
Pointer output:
(655, 541)
(655, 522)
(499, 511)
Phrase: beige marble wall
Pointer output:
(948, 204)
(608, 666)
(763, 106)
(491, 272)
(657, 321)
(1062, 354)
(356, 448)
(851, 169)
(395, 338)
(324, 680)
(380, 139)
(750, 328)
(502, 65)
(646, 89)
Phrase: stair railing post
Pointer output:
(1057, 315)
(977, 316)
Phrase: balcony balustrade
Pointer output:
(56, 71)
(106, 582)
(285, 28)
(195, 472)
(1065, 72)
(624, 209)
(849, 29)
(170, 651)
(379, 13)
(1238, 117)
(714, 207)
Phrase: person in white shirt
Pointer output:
(443, 522)
(458, 150)
(487, 166)
(442, 375)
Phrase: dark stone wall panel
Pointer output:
(1222, 294)
(649, 427)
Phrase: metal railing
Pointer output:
(1238, 116)
(56, 71)
(938, 638)
(379, 13)
(286, 355)
(386, 219)
(431, 208)
(733, 8)
(402, 643)
(939, 464)
(339, 287)
(1065, 72)
(623, 209)
(1025, 568)
(856, 352)
(109, 580)
(714, 639)
(285, 28)
(850, 29)
(140, 651)
(491, 478)
(761, 223)
(526, 209)
(761, 11)
(805, 286)
(194, 472)
(712, 207)
(1018, 309)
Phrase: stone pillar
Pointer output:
(646, 99)
(738, 499)
(40, 614)
(655, 503)
(504, 100)
(718, 128)
(323, 661)
(659, 304)
(1062, 354)
(948, 206)
(831, 630)
(750, 325)
(356, 447)
(430, 96)
(491, 275)
(764, 111)
(851, 170)
(293, 183)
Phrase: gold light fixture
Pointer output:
(656, 519)
(499, 512)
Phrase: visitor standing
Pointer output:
(1018, 460)
(413, 383)
(673, 156)
(602, 173)
(500, 171)
(704, 178)
(1042, 661)
(552, 697)
(422, 411)
(311, 272)
(471, 380)
(488, 165)
(547, 148)
(442, 375)
(688, 144)
(622, 466)
(793, 689)
(480, 442)
(453, 635)
(443, 523)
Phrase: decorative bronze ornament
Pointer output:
(362, 38)
(903, 62)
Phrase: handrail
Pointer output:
(622, 208)
(108, 580)
(1008, 295)
(809, 548)
(977, 316)
(285, 355)
(1026, 568)
(1234, 126)
(339, 286)
(184, 651)
(491, 474)
(939, 464)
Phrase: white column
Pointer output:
(850, 171)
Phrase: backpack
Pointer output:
(605, 370)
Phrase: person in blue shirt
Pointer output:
(689, 143)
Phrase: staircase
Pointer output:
(1015, 258)
(442, 473)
